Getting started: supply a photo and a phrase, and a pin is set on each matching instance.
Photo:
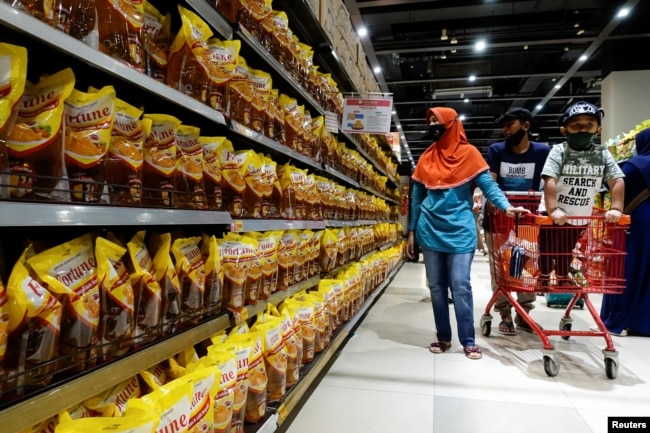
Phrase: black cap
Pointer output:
(580, 108)
(515, 113)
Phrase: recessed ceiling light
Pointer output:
(363, 31)
(453, 41)
(539, 106)
(466, 100)
(525, 47)
(557, 86)
(443, 56)
(399, 126)
(583, 58)
(472, 78)
(377, 69)
(581, 31)
(461, 117)
(480, 45)
(576, 25)
(443, 35)
(453, 50)
(623, 13)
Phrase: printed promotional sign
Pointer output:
(370, 116)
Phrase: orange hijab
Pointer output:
(451, 161)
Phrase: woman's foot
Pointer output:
(473, 352)
(507, 328)
(439, 346)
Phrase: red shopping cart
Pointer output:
(531, 254)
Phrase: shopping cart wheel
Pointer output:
(565, 325)
(551, 366)
(486, 325)
(611, 368)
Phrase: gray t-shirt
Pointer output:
(579, 175)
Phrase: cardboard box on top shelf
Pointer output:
(328, 19)
(342, 13)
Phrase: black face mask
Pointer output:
(515, 138)
(436, 131)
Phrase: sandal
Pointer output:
(522, 325)
(473, 352)
(439, 347)
(507, 328)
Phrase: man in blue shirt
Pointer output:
(516, 164)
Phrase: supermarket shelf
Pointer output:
(26, 24)
(16, 214)
(212, 17)
(355, 223)
(23, 416)
(273, 145)
(295, 395)
(271, 61)
(258, 225)
(333, 172)
(303, 22)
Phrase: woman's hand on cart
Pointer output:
(513, 211)
(613, 215)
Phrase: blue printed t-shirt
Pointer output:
(517, 171)
(443, 219)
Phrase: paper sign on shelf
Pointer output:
(331, 122)
(370, 116)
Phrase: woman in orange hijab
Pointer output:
(442, 222)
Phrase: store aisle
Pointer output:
(386, 380)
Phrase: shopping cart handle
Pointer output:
(545, 220)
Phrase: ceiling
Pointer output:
(531, 59)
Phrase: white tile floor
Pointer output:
(386, 380)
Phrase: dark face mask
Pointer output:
(436, 131)
(515, 138)
(580, 140)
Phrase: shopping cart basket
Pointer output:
(531, 254)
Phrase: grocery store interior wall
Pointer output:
(626, 96)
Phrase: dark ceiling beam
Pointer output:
(492, 77)
(506, 98)
(604, 34)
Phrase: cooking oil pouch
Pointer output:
(159, 164)
(119, 29)
(153, 378)
(33, 327)
(112, 402)
(257, 377)
(223, 57)
(147, 294)
(242, 348)
(88, 126)
(214, 296)
(35, 143)
(292, 339)
(275, 355)
(188, 178)
(223, 396)
(142, 422)
(165, 274)
(13, 76)
(69, 270)
(157, 38)
(212, 171)
(190, 269)
(170, 404)
(125, 155)
(188, 68)
(271, 195)
(117, 319)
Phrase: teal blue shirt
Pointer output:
(443, 219)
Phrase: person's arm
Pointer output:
(550, 175)
(550, 201)
(494, 194)
(617, 189)
(418, 194)
(614, 176)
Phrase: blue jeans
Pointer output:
(449, 270)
